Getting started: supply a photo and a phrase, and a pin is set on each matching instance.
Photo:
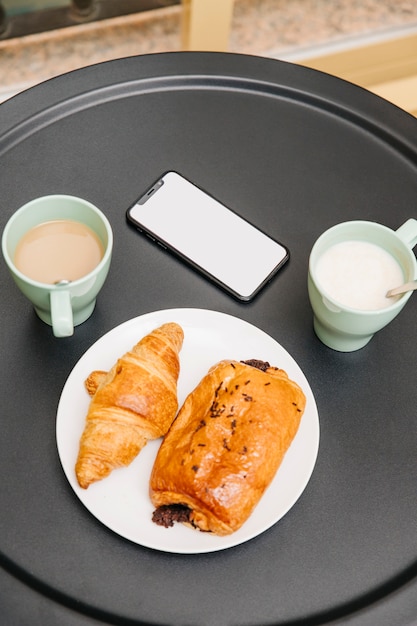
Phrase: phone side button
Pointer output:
(162, 245)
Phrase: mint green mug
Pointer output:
(64, 305)
(337, 324)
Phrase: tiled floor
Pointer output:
(276, 28)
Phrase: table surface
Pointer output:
(294, 151)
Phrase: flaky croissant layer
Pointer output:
(134, 402)
(225, 446)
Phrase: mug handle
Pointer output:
(408, 232)
(61, 313)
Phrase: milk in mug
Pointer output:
(358, 274)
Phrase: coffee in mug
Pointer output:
(58, 250)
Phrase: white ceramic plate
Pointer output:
(121, 501)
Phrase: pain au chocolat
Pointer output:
(134, 402)
(225, 446)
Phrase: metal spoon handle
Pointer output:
(411, 286)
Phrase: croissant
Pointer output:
(134, 402)
(225, 446)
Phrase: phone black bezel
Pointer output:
(166, 246)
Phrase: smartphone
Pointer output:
(213, 239)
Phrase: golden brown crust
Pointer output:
(226, 444)
(134, 402)
(94, 380)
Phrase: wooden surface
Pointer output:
(206, 25)
(387, 68)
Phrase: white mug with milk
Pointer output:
(352, 266)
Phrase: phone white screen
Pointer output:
(212, 237)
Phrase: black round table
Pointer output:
(294, 151)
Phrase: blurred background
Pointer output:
(372, 43)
